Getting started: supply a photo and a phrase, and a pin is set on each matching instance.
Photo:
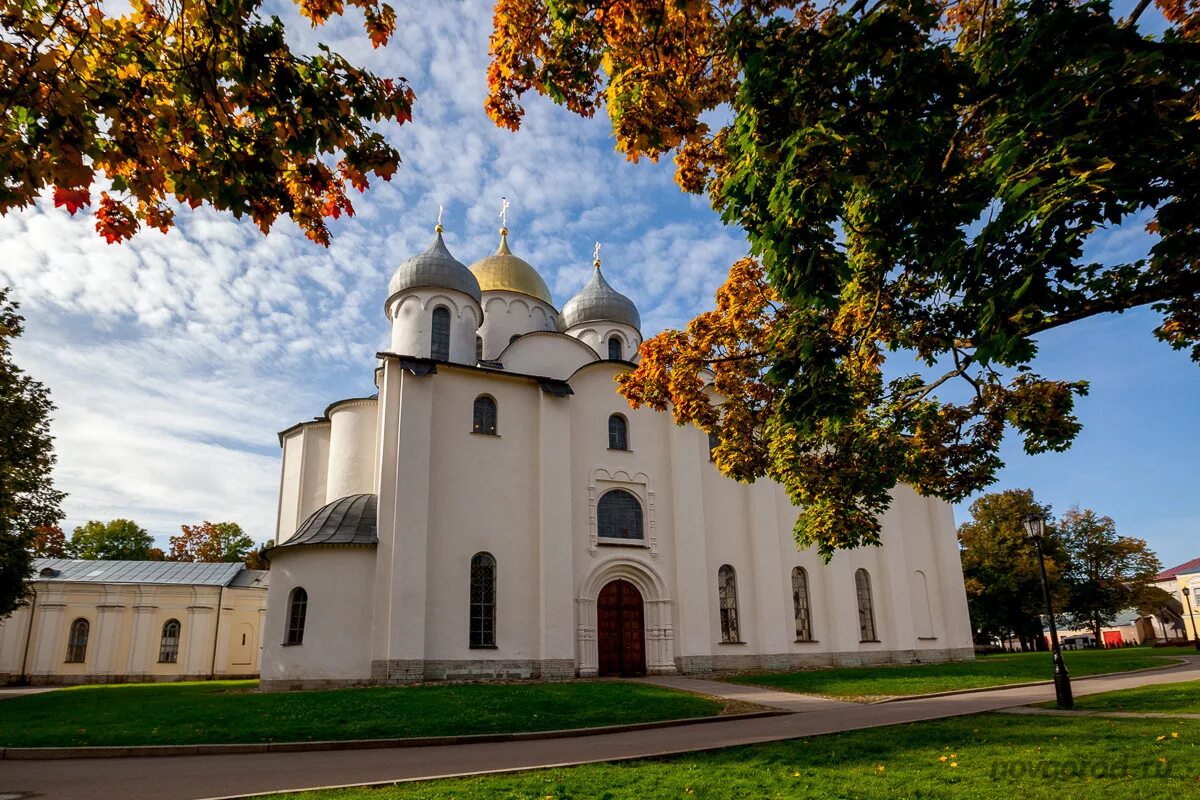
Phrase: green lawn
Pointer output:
(967, 758)
(1173, 698)
(232, 711)
(996, 670)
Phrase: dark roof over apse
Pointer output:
(348, 520)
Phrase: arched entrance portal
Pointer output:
(620, 630)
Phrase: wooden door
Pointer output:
(620, 631)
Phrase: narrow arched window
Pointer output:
(866, 608)
(168, 645)
(439, 337)
(483, 600)
(727, 596)
(484, 418)
(619, 516)
(713, 441)
(479, 348)
(297, 610)
(800, 605)
(618, 433)
(614, 347)
(77, 641)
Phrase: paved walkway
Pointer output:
(759, 695)
(191, 777)
(19, 691)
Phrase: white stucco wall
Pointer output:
(508, 314)
(412, 323)
(552, 355)
(352, 436)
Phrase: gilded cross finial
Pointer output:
(504, 215)
(596, 256)
(438, 227)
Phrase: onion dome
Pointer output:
(435, 269)
(504, 272)
(598, 301)
(347, 520)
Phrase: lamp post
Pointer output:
(1187, 595)
(1035, 527)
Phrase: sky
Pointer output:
(174, 359)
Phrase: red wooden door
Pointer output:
(620, 636)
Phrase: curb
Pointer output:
(143, 751)
(1183, 661)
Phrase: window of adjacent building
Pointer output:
(614, 347)
(77, 641)
(297, 610)
(439, 338)
(484, 417)
(619, 516)
(168, 646)
(866, 608)
(483, 600)
(479, 348)
(800, 605)
(713, 441)
(618, 433)
(727, 596)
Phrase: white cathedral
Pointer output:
(498, 511)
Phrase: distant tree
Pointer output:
(257, 559)
(1004, 592)
(156, 554)
(211, 542)
(48, 541)
(118, 540)
(1106, 573)
(28, 499)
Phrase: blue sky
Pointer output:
(174, 359)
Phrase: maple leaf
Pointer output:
(72, 199)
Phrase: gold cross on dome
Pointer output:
(596, 255)
(504, 212)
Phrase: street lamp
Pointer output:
(1187, 595)
(1035, 527)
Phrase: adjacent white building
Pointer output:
(497, 510)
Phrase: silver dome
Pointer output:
(434, 268)
(598, 301)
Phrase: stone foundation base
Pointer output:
(11, 679)
(412, 671)
(747, 662)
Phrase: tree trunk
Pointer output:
(1099, 635)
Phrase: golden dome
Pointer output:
(502, 271)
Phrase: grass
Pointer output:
(966, 758)
(852, 683)
(231, 711)
(1171, 698)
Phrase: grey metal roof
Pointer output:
(598, 301)
(173, 572)
(348, 520)
(434, 268)
(251, 579)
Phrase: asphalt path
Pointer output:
(226, 776)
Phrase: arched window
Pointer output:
(479, 348)
(168, 645)
(713, 441)
(439, 338)
(614, 347)
(618, 433)
(619, 516)
(77, 641)
(727, 595)
(484, 418)
(297, 610)
(800, 605)
(866, 609)
(483, 600)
